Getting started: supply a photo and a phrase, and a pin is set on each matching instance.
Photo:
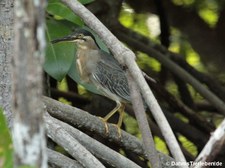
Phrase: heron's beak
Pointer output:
(69, 38)
(64, 39)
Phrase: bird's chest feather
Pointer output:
(86, 63)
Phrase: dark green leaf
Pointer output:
(86, 1)
(59, 56)
(59, 9)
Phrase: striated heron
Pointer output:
(98, 67)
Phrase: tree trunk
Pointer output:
(6, 52)
(28, 129)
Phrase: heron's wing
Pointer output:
(111, 76)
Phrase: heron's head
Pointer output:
(81, 37)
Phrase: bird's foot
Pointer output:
(107, 127)
(118, 130)
(105, 124)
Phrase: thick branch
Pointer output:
(73, 147)
(101, 151)
(84, 120)
(60, 160)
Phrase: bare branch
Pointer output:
(101, 151)
(84, 120)
(213, 146)
(143, 123)
(73, 147)
(60, 160)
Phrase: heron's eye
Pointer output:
(80, 36)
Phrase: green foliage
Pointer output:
(58, 9)
(209, 16)
(188, 145)
(144, 61)
(84, 2)
(136, 22)
(207, 9)
(6, 151)
(184, 2)
(59, 56)
(131, 125)
(160, 145)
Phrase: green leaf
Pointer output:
(59, 9)
(6, 150)
(59, 56)
(84, 2)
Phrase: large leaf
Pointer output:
(56, 8)
(84, 2)
(59, 56)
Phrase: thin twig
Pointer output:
(126, 57)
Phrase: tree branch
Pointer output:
(60, 160)
(73, 147)
(83, 120)
(101, 151)
(140, 114)
(214, 145)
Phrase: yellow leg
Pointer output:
(120, 121)
(120, 108)
(105, 119)
(108, 116)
